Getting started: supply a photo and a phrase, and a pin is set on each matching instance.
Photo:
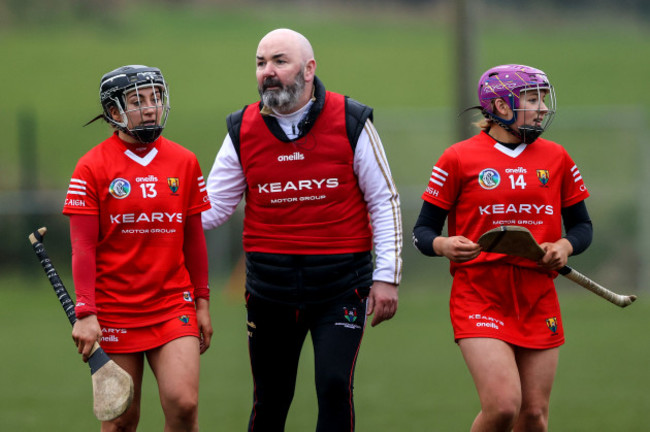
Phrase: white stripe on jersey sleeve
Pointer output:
(77, 187)
(202, 186)
(576, 174)
(439, 176)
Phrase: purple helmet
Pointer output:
(507, 82)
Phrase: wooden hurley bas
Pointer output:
(518, 241)
(112, 385)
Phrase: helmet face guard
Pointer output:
(511, 83)
(113, 91)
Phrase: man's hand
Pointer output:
(382, 301)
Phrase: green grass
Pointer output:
(410, 374)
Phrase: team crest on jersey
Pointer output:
(489, 178)
(543, 177)
(120, 188)
(187, 296)
(551, 323)
(173, 183)
(350, 314)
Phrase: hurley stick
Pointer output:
(112, 386)
(518, 241)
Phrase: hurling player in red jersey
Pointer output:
(314, 173)
(504, 310)
(139, 257)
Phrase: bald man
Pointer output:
(319, 195)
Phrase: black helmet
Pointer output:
(112, 93)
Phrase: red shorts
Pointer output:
(515, 304)
(139, 339)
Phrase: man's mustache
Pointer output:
(271, 82)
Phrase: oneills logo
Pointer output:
(296, 156)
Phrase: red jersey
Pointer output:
(485, 185)
(303, 196)
(142, 203)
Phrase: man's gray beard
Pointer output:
(287, 97)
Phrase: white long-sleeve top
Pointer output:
(227, 184)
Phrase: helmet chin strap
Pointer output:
(529, 133)
(526, 133)
(146, 135)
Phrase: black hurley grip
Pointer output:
(53, 276)
(97, 359)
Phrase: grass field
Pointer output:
(410, 374)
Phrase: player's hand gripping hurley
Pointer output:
(112, 386)
(518, 241)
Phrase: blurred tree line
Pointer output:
(13, 12)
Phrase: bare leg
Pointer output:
(176, 367)
(493, 367)
(537, 370)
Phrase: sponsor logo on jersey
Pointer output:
(296, 199)
(301, 185)
(531, 209)
(173, 183)
(489, 178)
(113, 330)
(486, 321)
(543, 177)
(296, 156)
(111, 334)
(120, 188)
(125, 218)
(551, 323)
